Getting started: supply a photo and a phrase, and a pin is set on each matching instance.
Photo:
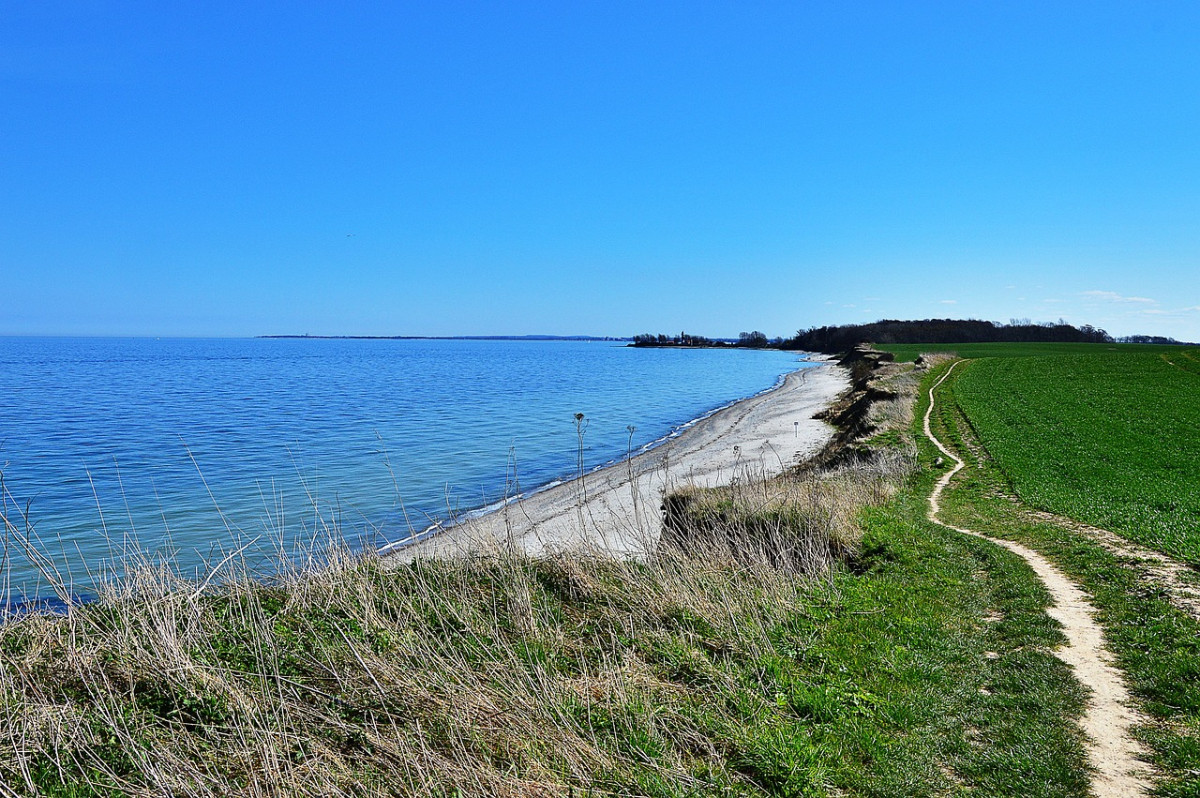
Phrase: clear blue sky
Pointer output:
(602, 168)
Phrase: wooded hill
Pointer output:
(842, 337)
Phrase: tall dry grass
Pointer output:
(485, 676)
(800, 522)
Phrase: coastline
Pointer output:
(616, 509)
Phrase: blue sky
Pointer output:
(601, 168)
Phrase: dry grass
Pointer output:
(491, 677)
(902, 381)
(800, 522)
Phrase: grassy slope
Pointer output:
(920, 667)
(1157, 646)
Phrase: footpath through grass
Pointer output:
(1156, 645)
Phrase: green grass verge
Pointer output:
(952, 634)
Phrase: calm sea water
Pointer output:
(190, 449)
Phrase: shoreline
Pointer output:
(616, 508)
(466, 516)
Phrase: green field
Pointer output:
(907, 352)
(1111, 438)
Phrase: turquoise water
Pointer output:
(190, 449)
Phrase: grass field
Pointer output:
(1108, 434)
(909, 352)
(1111, 439)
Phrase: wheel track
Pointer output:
(1108, 718)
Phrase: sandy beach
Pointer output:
(617, 509)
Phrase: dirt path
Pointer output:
(1108, 719)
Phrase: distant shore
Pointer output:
(449, 337)
(617, 508)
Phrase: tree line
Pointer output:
(842, 337)
(838, 338)
(746, 340)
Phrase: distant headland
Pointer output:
(454, 337)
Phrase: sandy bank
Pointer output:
(618, 508)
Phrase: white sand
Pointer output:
(618, 509)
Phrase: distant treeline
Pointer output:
(747, 340)
(842, 337)
(1150, 339)
(449, 337)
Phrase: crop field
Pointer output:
(1111, 438)
(1181, 354)
(1186, 359)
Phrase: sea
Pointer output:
(199, 455)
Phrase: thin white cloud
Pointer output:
(1113, 296)
(948, 302)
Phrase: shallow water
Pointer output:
(187, 449)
